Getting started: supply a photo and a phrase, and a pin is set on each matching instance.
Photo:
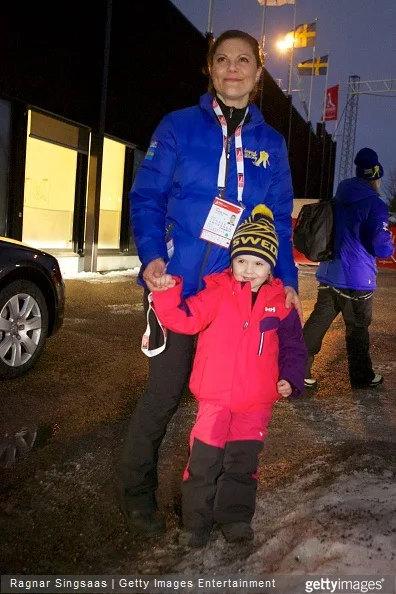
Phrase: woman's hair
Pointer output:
(373, 183)
(235, 34)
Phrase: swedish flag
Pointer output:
(314, 67)
(304, 35)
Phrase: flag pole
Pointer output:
(309, 114)
(324, 126)
(333, 137)
(289, 86)
(311, 85)
(325, 89)
(209, 30)
(330, 157)
(289, 91)
(337, 120)
(262, 40)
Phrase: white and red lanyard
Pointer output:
(146, 336)
(221, 179)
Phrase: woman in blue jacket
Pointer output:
(206, 168)
(347, 283)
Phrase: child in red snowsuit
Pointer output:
(250, 352)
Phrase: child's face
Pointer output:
(247, 268)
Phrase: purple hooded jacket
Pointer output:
(361, 235)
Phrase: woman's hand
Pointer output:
(284, 388)
(152, 274)
(293, 299)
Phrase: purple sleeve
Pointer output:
(292, 352)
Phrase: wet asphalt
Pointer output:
(58, 504)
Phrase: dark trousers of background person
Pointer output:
(357, 314)
(220, 480)
(168, 375)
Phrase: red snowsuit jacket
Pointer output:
(242, 352)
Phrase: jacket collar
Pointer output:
(256, 117)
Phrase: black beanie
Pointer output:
(367, 165)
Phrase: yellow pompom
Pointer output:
(262, 209)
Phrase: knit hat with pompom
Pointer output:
(257, 236)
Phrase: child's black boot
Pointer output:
(196, 538)
(237, 532)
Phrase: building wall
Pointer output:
(156, 61)
(306, 148)
(52, 56)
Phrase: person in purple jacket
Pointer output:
(348, 281)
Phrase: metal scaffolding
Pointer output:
(349, 132)
(357, 87)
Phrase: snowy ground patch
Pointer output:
(126, 308)
(103, 277)
(334, 518)
(347, 527)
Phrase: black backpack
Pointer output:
(314, 231)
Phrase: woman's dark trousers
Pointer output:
(357, 315)
(168, 374)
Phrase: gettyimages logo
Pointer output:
(339, 586)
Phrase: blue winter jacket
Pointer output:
(177, 183)
(361, 235)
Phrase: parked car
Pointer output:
(32, 299)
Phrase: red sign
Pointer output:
(331, 106)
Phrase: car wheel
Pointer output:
(23, 327)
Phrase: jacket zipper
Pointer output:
(206, 256)
(209, 247)
(168, 231)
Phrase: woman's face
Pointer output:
(234, 72)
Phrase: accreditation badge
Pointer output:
(221, 222)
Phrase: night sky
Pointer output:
(361, 38)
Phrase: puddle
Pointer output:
(17, 446)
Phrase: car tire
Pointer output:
(23, 327)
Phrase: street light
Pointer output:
(287, 44)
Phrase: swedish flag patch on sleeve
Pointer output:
(151, 150)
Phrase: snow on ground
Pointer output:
(332, 519)
(126, 308)
(102, 277)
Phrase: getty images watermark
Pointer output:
(197, 584)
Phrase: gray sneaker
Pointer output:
(310, 382)
(376, 381)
